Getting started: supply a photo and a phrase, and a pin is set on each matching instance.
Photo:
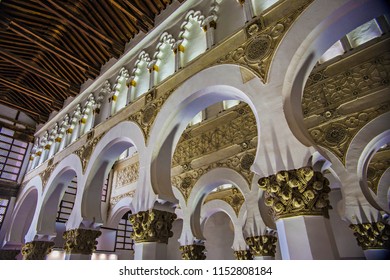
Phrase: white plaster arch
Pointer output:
(214, 206)
(205, 184)
(44, 221)
(119, 138)
(23, 213)
(123, 206)
(384, 189)
(207, 87)
(363, 147)
(316, 29)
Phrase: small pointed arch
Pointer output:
(192, 36)
(119, 95)
(63, 132)
(87, 115)
(74, 126)
(140, 77)
(164, 58)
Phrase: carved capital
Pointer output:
(9, 254)
(372, 235)
(152, 226)
(264, 245)
(193, 252)
(243, 255)
(80, 241)
(296, 192)
(37, 250)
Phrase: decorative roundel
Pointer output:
(186, 183)
(148, 114)
(247, 161)
(258, 48)
(336, 134)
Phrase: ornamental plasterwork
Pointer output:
(115, 199)
(263, 245)
(296, 192)
(80, 241)
(374, 235)
(85, 151)
(37, 250)
(146, 116)
(232, 196)
(152, 226)
(127, 175)
(240, 163)
(326, 90)
(45, 174)
(193, 252)
(239, 128)
(263, 40)
(337, 134)
(378, 165)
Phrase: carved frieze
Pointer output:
(115, 199)
(85, 151)
(193, 252)
(37, 250)
(152, 226)
(238, 130)
(127, 175)
(325, 90)
(337, 134)
(80, 241)
(296, 192)
(264, 245)
(372, 235)
(186, 180)
(258, 51)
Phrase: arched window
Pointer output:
(164, 58)
(119, 97)
(193, 38)
(140, 79)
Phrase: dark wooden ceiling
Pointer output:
(48, 48)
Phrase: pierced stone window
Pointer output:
(332, 52)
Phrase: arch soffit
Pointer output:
(314, 31)
(120, 208)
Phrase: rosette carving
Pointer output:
(152, 226)
(264, 245)
(37, 250)
(296, 192)
(80, 241)
(372, 235)
(193, 252)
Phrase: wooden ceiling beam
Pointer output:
(31, 36)
(34, 69)
(28, 91)
(20, 108)
(142, 20)
(70, 18)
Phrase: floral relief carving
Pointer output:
(85, 151)
(115, 199)
(238, 130)
(45, 174)
(232, 196)
(186, 180)
(127, 175)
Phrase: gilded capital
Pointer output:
(243, 255)
(152, 226)
(263, 245)
(296, 192)
(80, 241)
(37, 250)
(193, 252)
(374, 235)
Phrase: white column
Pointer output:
(150, 251)
(306, 238)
